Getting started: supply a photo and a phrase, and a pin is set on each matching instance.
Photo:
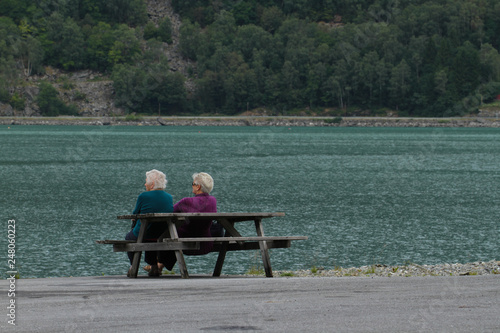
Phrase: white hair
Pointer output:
(204, 180)
(157, 178)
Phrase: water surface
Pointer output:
(363, 195)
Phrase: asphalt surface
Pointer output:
(247, 304)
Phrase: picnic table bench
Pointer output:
(231, 241)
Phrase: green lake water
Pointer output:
(363, 195)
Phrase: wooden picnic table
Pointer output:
(232, 240)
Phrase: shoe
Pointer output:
(154, 271)
(147, 268)
(129, 273)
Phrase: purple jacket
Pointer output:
(201, 203)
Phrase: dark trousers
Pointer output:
(149, 256)
(168, 258)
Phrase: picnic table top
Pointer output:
(249, 215)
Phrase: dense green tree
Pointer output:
(149, 88)
(490, 63)
(170, 95)
(223, 30)
(209, 88)
(368, 73)
(99, 44)
(4, 91)
(465, 72)
(291, 86)
(400, 83)
(49, 103)
(492, 24)
(150, 30)
(241, 86)
(29, 55)
(92, 9)
(443, 97)
(249, 38)
(10, 35)
(190, 40)
(17, 101)
(341, 83)
(444, 55)
(165, 30)
(197, 11)
(126, 47)
(488, 92)
(15, 9)
(245, 13)
(467, 23)
(316, 79)
(127, 83)
(131, 12)
(383, 70)
(8, 73)
(271, 19)
(67, 48)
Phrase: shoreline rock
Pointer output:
(409, 270)
(256, 121)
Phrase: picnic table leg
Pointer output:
(220, 258)
(229, 228)
(229, 231)
(264, 251)
(178, 253)
(137, 255)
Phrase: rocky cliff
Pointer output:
(90, 91)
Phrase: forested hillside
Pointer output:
(338, 57)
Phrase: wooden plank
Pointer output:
(222, 253)
(220, 258)
(164, 246)
(229, 227)
(246, 216)
(137, 255)
(209, 239)
(194, 245)
(114, 241)
(280, 244)
(218, 246)
(264, 249)
(237, 239)
(178, 253)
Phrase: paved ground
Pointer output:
(245, 304)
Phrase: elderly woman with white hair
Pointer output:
(202, 202)
(154, 200)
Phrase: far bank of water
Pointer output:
(363, 195)
(289, 121)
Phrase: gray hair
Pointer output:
(158, 178)
(204, 180)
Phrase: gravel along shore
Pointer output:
(411, 269)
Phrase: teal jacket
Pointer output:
(152, 202)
